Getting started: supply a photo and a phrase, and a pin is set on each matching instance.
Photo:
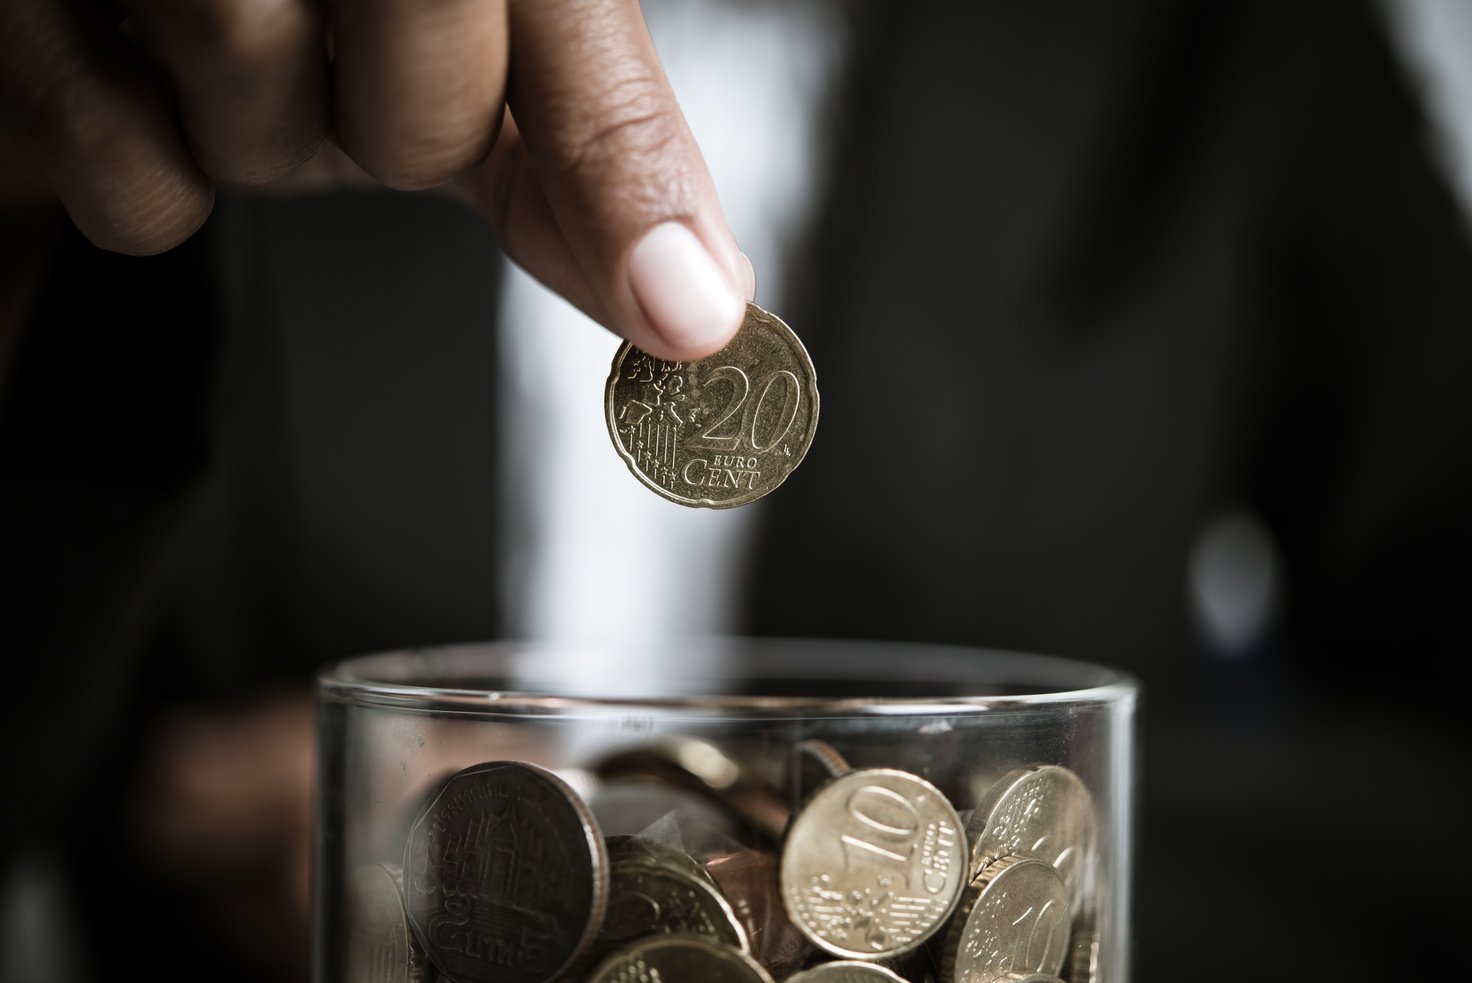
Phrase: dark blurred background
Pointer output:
(1143, 331)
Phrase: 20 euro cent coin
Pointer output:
(721, 431)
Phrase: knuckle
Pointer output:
(411, 162)
(258, 164)
(231, 27)
(408, 173)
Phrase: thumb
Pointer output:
(597, 188)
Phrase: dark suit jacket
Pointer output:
(1091, 274)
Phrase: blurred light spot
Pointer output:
(1433, 38)
(706, 761)
(1233, 579)
(37, 922)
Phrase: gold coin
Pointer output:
(722, 431)
(1042, 811)
(652, 898)
(873, 865)
(847, 971)
(679, 959)
(632, 848)
(818, 762)
(1083, 951)
(1012, 925)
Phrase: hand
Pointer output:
(596, 186)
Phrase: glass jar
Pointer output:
(732, 808)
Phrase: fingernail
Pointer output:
(750, 277)
(681, 290)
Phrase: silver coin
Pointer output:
(506, 875)
(846, 971)
(679, 959)
(649, 898)
(1044, 811)
(381, 947)
(1013, 919)
(873, 864)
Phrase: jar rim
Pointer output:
(739, 677)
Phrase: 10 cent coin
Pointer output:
(873, 864)
(1013, 919)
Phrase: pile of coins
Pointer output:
(508, 877)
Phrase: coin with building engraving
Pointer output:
(1013, 919)
(648, 898)
(679, 959)
(721, 431)
(846, 971)
(380, 945)
(873, 864)
(505, 875)
(1043, 811)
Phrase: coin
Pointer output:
(1044, 811)
(846, 971)
(679, 959)
(748, 879)
(648, 898)
(722, 431)
(1012, 919)
(873, 864)
(630, 847)
(819, 761)
(702, 767)
(381, 947)
(506, 875)
(1083, 950)
(699, 763)
(629, 804)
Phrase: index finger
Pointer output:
(93, 126)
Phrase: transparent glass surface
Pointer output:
(701, 743)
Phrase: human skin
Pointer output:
(553, 118)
